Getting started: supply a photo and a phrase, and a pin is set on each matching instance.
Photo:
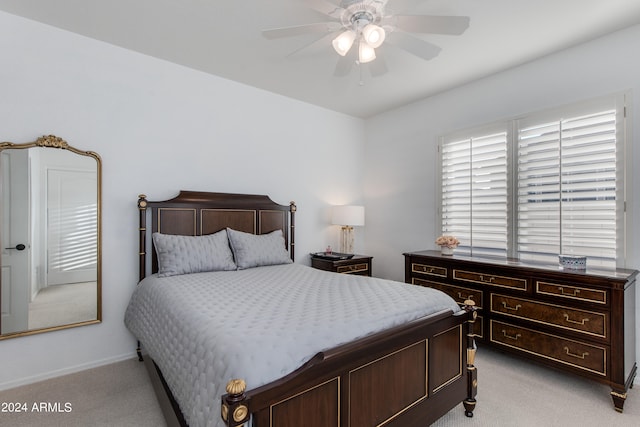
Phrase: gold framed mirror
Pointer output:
(50, 240)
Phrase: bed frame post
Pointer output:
(142, 209)
(235, 410)
(292, 225)
(472, 374)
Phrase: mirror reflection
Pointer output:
(50, 237)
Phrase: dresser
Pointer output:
(578, 321)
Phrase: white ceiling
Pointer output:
(223, 37)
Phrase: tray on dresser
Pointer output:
(333, 256)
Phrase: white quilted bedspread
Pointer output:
(260, 324)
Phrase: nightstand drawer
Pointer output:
(572, 292)
(358, 264)
(565, 351)
(458, 293)
(429, 269)
(587, 322)
(490, 279)
(353, 268)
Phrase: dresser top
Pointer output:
(613, 273)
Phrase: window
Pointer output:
(540, 185)
(475, 191)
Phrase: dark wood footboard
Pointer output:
(407, 376)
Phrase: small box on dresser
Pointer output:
(579, 321)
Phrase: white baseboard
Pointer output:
(69, 370)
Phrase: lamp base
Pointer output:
(346, 241)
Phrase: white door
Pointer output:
(72, 226)
(14, 284)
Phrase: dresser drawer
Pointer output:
(432, 270)
(353, 268)
(490, 279)
(565, 351)
(571, 292)
(458, 293)
(586, 322)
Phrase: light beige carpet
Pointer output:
(511, 393)
(516, 393)
(119, 394)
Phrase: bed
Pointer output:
(260, 340)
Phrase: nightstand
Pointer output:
(359, 264)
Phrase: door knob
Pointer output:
(19, 247)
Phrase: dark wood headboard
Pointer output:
(196, 213)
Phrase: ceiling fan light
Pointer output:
(343, 42)
(366, 53)
(374, 35)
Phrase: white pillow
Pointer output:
(255, 250)
(193, 254)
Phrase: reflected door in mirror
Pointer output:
(15, 252)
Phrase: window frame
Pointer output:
(619, 101)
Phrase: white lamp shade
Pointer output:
(366, 53)
(373, 35)
(348, 215)
(343, 42)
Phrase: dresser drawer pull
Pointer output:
(569, 294)
(516, 308)
(511, 337)
(490, 279)
(576, 322)
(577, 356)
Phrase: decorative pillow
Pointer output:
(255, 250)
(193, 254)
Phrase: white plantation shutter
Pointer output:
(567, 188)
(559, 191)
(538, 191)
(475, 192)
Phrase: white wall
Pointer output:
(160, 128)
(401, 156)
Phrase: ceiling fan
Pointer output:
(368, 24)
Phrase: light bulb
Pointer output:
(374, 35)
(366, 53)
(343, 42)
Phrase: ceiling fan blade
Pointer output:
(326, 7)
(413, 45)
(315, 41)
(450, 25)
(297, 30)
(378, 66)
(345, 63)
